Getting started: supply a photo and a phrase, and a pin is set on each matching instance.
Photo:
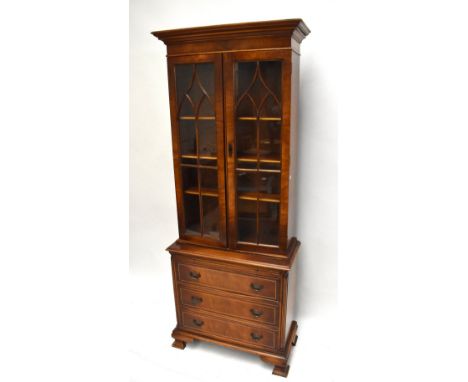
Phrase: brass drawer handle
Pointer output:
(196, 300)
(198, 322)
(255, 312)
(195, 275)
(256, 287)
(256, 337)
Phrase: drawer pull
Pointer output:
(256, 337)
(255, 312)
(256, 287)
(195, 275)
(196, 300)
(198, 322)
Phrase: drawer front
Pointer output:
(230, 306)
(250, 335)
(249, 285)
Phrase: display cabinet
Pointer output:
(233, 92)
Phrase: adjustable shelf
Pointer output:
(191, 118)
(272, 198)
(259, 118)
(252, 158)
(206, 157)
(202, 191)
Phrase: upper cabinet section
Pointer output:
(230, 37)
(233, 97)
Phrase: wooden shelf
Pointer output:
(268, 142)
(254, 159)
(272, 198)
(199, 166)
(204, 191)
(200, 117)
(259, 170)
(259, 118)
(187, 156)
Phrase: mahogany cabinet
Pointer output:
(233, 92)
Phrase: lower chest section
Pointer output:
(242, 305)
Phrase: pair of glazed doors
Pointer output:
(230, 120)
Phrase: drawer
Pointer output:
(250, 335)
(253, 311)
(230, 281)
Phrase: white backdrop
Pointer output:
(153, 222)
(403, 206)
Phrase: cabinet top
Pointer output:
(291, 28)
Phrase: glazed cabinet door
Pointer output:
(196, 97)
(257, 98)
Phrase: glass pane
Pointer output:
(258, 89)
(184, 81)
(245, 164)
(189, 159)
(207, 138)
(268, 214)
(269, 183)
(206, 79)
(245, 74)
(270, 166)
(192, 214)
(270, 139)
(270, 72)
(246, 139)
(209, 179)
(190, 179)
(208, 161)
(188, 140)
(246, 108)
(206, 107)
(210, 217)
(270, 107)
(247, 221)
(247, 181)
(195, 89)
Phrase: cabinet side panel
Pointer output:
(291, 299)
(285, 149)
(176, 291)
(293, 145)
